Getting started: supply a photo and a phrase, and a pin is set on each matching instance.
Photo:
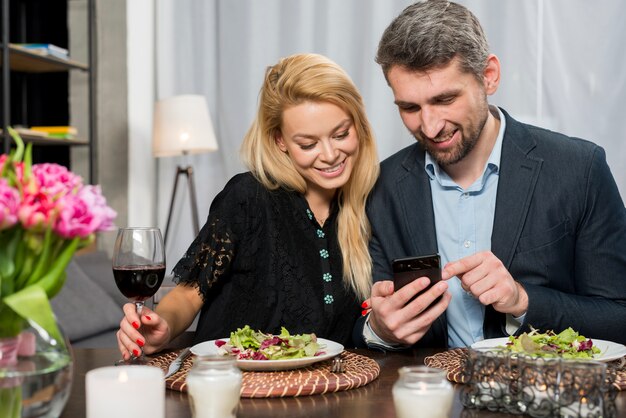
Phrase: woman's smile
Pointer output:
(333, 171)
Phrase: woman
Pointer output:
(286, 243)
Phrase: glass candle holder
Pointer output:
(492, 381)
(214, 384)
(422, 392)
(582, 391)
(539, 379)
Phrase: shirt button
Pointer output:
(467, 244)
(465, 195)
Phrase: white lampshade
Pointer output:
(182, 125)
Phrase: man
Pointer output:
(529, 223)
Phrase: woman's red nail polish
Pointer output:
(135, 325)
(140, 343)
(364, 312)
(148, 318)
(135, 352)
(365, 305)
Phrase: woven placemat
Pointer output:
(453, 362)
(311, 380)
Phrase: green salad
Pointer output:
(247, 344)
(567, 344)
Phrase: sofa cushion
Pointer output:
(97, 265)
(83, 308)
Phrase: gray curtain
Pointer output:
(563, 67)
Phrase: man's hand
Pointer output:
(396, 320)
(485, 277)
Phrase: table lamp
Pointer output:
(182, 126)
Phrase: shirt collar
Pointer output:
(493, 162)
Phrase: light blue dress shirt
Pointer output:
(464, 221)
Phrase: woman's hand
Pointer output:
(149, 333)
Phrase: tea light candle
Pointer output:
(581, 409)
(491, 391)
(125, 392)
(541, 397)
(583, 384)
(422, 392)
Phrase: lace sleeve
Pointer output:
(208, 259)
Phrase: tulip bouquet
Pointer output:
(46, 214)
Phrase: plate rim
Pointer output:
(621, 348)
(269, 365)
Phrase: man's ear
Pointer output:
(279, 141)
(491, 75)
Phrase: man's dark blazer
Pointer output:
(559, 228)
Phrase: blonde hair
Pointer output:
(311, 77)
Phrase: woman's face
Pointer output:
(320, 138)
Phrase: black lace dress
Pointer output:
(262, 260)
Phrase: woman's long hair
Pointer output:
(310, 77)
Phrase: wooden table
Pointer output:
(373, 400)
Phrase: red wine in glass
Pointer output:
(139, 283)
(138, 268)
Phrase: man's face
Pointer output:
(445, 109)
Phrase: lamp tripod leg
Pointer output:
(194, 201)
(179, 171)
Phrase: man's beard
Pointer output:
(460, 150)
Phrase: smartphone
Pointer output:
(407, 269)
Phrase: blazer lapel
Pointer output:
(413, 189)
(518, 176)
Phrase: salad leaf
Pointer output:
(567, 344)
(248, 344)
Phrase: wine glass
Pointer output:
(138, 268)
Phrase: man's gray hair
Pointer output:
(429, 34)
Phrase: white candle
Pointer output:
(581, 409)
(214, 384)
(125, 392)
(422, 392)
(423, 404)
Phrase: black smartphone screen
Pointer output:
(407, 269)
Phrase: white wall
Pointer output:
(142, 168)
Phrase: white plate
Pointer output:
(330, 348)
(608, 350)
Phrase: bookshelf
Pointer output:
(35, 88)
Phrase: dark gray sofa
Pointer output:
(89, 307)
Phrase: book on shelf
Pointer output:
(56, 132)
(27, 131)
(61, 136)
(45, 49)
(64, 132)
(55, 129)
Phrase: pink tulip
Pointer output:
(84, 213)
(36, 211)
(98, 204)
(55, 180)
(9, 204)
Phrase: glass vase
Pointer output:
(35, 374)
